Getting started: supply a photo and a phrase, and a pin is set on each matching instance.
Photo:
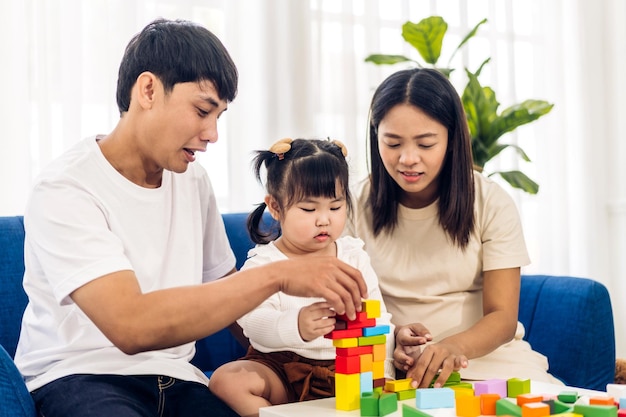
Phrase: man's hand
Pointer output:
(341, 285)
(316, 320)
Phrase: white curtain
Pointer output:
(302, 75)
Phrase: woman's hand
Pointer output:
(316, 320)
(409, 342)
(438, 358)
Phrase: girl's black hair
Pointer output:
(311, 168)
(432, 92)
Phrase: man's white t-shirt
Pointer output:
(85, 220)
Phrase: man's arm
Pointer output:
(137, 322)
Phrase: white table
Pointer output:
(326, 406)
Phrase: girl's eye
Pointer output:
(308, 210)
(202, 113)
(336, 208)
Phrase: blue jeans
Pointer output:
(127, 396)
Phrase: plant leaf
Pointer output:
(518, 179)
(467, 38)
(517, 115)
(382, 59)
(426, 37)
(481, 108)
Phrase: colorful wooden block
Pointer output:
(353, 351)
(380, 339)
(359, 322)
(398, 385)
(387, 404)
(408, 411)
(491, 386)
(378, 369)
(366, 362)
(347, 391)
(505, 407)
(462, 390)
(621, 412)
(488, 404)
(569, 397)
(528, 398)
(595, 410)
(379, 352)
(367, 383)
(348, 364)
(535, 409)
(427, 398)
(346, 343)
(601, 401)
(379, 382)
(467, 406)
(376, 330)
(405, 395)
(371, 308)
(622, 403)
(516, 386)
(344, 334)
(559, 407)
(369, 404)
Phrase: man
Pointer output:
(125, 245)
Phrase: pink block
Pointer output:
(491, 386)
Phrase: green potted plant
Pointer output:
(486, 124)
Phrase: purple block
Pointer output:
(491, 386)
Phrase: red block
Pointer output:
(360, 321)
(348, 364)
(344, 334)
(354, 351)
(379, 382)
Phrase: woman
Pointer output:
(445, 241)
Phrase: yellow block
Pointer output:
(347, 391)
(346, 343)
(378, 369)
(462, 391)
(398, 385)
(372, 308)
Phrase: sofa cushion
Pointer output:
(15, 399)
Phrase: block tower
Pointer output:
(361, 350)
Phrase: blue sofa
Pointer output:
(567, 319)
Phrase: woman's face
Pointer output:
(412, 146)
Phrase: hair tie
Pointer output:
(344, 150)
(280, 147)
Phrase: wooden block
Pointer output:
(467, 406)
(353, 351)
(369, 404)
(405, 395)
(387, 404)
(378, 369)
(596, 410)
(366, 362)
(376, 330)
(408, 411)
(398, 385)
(528, 398)
(601, 401)
(380, 339)
(371, 308)
(569, 397)
(359, 322)
(535, 409)
(491, 386)
(348, 364)
(488, 404)
(367, 384)
(379, 382)
(346, 343)
(505, 407)
(516, 386)
(462, 390)
(344, 334)
(427, 398)
(347, 391)
(379, 352)
(561, 408)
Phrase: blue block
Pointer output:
(367, 382)
(426, 398)
(376, 330)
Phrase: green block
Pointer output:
(453, 379)
(378, 390)
(505, 407)
(569, 397)
(408, 411)
(561, 406)
(369, 404)
(406, 394)
(459, 385)
(387, 404)
(595, 410)
(379, 339)
(516, 386)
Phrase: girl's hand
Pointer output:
(409, 342)
(316, 320)
(438, 358)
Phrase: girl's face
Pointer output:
(311, 225)
(412, 147)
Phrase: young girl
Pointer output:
(289, 359)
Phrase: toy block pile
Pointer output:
(361, 350)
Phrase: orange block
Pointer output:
(528, 398)
(601, 401)
(379, 352)
(467, 406)
(378, 369)
(366, 362)
(488, 404)
(535, 410)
